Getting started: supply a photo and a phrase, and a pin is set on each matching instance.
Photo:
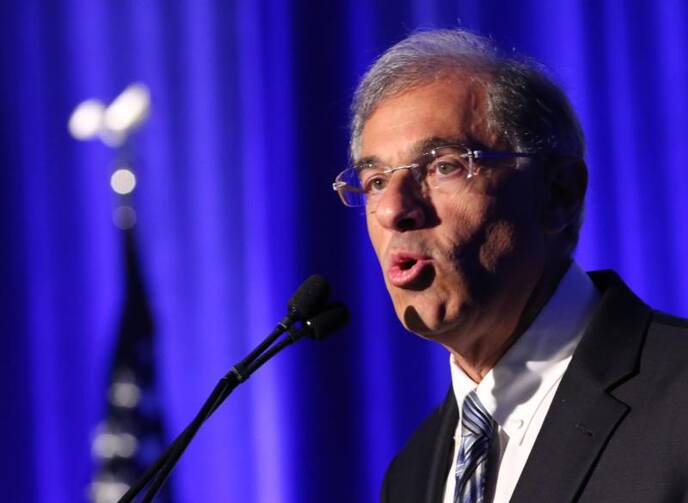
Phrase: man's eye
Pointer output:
(374, 183)
(446, 167)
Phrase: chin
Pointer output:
(429, 322)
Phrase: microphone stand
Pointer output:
(162, 467)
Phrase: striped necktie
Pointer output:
(471, 465)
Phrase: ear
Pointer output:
(566, 183)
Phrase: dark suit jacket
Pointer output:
(617, 429)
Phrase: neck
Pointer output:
(484, 351)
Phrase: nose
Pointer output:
(402, 207)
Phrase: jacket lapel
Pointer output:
(584, 412)
(443, 449)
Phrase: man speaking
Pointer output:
(565, 387)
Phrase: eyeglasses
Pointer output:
(447, 168)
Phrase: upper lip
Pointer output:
(407, 269)
(403, 258)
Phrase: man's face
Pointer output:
(458, 266)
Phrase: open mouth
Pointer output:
(408, 270)
(407, 264)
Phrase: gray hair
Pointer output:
(527, 109)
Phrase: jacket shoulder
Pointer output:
(666, 347)
(670, 322)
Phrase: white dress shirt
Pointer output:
(519, 390)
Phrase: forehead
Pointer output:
(452, 106)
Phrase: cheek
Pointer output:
(375, 235)
(465, 222)
(499, 243)
(485, 234)
(512, 239)
(512, 223)
(462, 217)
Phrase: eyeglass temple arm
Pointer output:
(489, 154)
(339, 185)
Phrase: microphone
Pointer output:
(307, 305)
(303, 303)
(333, 317)
(309, 297)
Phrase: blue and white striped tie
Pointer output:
(471, 465)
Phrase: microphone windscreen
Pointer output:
(308, 299)
(333, 317)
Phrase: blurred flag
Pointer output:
(131, 436)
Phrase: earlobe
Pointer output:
(566, 183)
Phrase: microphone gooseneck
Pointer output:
(314, 318)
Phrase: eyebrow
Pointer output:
(418, 148)
(425, 144)
(364, 161)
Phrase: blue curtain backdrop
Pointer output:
(249, 127)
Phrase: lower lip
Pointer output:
(406, 277)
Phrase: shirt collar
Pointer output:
(513, 390)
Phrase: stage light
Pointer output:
(86, 120)
(112, 124)
(124, 217)
(128, 110)
(123, 181)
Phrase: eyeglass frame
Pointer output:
(471, 154)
